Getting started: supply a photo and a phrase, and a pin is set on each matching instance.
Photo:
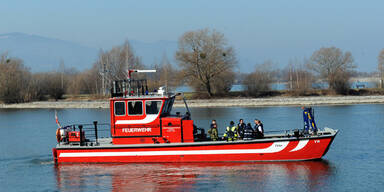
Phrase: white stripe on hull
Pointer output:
(146, 120)
(300, 145)
(275, 147)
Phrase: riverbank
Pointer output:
(227, 102)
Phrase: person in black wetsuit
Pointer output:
(249, 133)
(259, 129)
(240, 128)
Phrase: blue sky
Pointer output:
(258, 30)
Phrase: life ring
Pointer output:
(58, 136)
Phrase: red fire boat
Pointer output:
(143, 129)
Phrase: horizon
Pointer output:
(278, 31)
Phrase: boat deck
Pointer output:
(107, 142)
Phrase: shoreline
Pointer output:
(225, 102)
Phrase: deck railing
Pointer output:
(123, 88)
(90, 133)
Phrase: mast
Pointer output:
(130, 71)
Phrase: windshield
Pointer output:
(167, 106)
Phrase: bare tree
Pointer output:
(62, 71)
(258, 83)
(222, 83)
(167, 73)
(333, 65)
(298, 76)
(35, 90)
(88, 82)
(204, 55)
(381, 67)
(51, 81)
(114, 64)
(154, 78)
(14, 79)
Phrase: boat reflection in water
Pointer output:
(273, 176)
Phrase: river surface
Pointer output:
(355, 161)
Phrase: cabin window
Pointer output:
(135, 107)
(119, 108)
(170, 105)
(167, 108)
(152, 107)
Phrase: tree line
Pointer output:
(18, 84)
(206, 63)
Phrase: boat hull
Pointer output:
(288, 149)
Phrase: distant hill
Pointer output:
(44, 54)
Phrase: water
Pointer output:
(353, 163)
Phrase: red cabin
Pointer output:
(145, 118)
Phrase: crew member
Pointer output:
(249, 133)
(259, 129)
(231, 132)
(213, 131)
(240, 128)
